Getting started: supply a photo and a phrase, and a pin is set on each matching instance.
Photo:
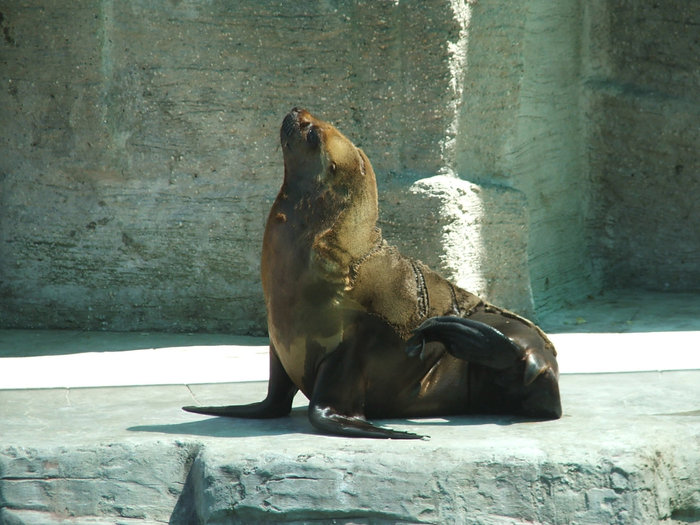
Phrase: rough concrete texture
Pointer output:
(627, 311)
(626, 451)
(521, 125)
(644, 78)
(142, 149)
(139, 156)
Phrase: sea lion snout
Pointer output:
(290, 125)
(299, 126)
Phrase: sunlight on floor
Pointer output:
(627, 352)
(227, 363)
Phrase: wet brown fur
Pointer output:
(342, 303)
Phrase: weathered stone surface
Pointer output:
(620, 454)
(521, 125)
(645, 73)
(354, 487)
(142, 152)
(99, 480)
(33, 517)
(139, 151)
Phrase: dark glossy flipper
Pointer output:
(337, 403)
(329, 421)
(522, 358)
(278, 403)
(541, 398)
(466, 339)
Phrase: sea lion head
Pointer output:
(317, 154)
(323, 168)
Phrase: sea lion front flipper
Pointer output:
(466, 339)
(278, 403)
(337, 403)
(329, 421)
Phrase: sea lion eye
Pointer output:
(333, 167)
(313, 138)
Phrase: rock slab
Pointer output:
(626, 451)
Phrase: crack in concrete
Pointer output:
(194, 398)
(68, 401)
(60, 479)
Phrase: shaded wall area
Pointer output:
(139, 148)
(140, 144)
(643, 80)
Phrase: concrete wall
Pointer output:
(140, 144)
(643, 80)
(139, 147)
(521, 126)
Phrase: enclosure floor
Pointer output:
(627, 449)
(627, 311)
(622, 331)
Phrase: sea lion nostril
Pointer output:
(289, 124)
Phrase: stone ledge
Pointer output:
(626, 451)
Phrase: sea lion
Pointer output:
(365, 332)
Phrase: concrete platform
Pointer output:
(626, 451)
(70, 359)
(81, 443)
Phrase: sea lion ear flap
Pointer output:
(364, 162)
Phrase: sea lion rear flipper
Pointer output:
(278, 403)
(536, 394)
(466, 339)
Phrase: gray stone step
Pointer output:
(626, 451)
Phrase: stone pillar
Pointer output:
(475, 235)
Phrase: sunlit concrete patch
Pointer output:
(183, 360)
(585, 353)
(154, 366)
